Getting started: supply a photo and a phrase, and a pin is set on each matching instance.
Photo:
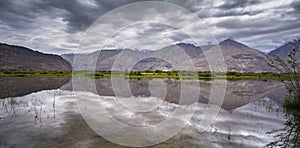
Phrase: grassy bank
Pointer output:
(30, 73)
(146, 74)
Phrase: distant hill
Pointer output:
(190, 49)
(283, 51)
(105, 59)
(17, 57)
(206, 47)
(238, 57)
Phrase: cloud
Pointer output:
(229, 4)
(296, 5)
(50, 25)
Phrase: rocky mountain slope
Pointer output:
(17, 57)
(283, 51)
(238, 57)
(151, 60)
(104, 59)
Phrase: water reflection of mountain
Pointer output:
(19, 86)
(238, 93)
(54, 117)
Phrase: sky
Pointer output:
(64, 26)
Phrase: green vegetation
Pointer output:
(205, 75)
(292, 77)
(289, 135)
(24, 73)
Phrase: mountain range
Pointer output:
(237, 57)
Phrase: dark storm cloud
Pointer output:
(229, 4)
(44, 20)
(187, 4)
(265, 30)
(77, 15)
(236, 23)
(152, 29)
(296, 5)
(235, 13)
(19, 14)
(80, 16)
(16, 14)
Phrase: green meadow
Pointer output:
(206, 75)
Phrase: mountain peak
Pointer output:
(232, 43)
(190, 49)
(184, 44)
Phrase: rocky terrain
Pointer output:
(237, 56)
(16, 57)
(283, 51)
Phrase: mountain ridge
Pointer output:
(283, 51)
(18, 57)
(238, 57)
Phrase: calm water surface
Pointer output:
(43, 112)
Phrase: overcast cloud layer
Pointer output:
(56, 26)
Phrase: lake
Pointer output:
(45, 112)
